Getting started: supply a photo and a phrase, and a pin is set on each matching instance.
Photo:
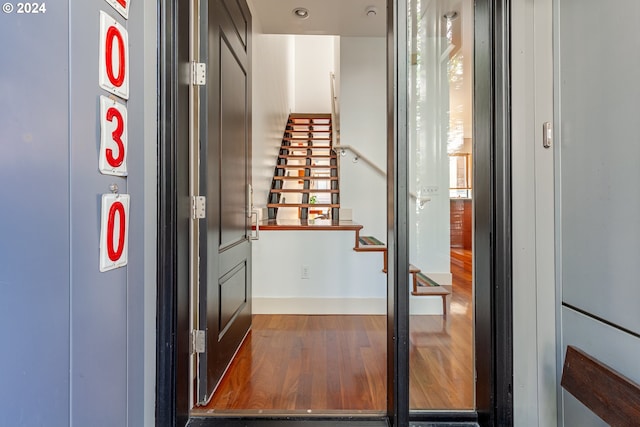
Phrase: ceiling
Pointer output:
(330, 17)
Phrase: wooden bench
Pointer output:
(425, 286)
(607, 393)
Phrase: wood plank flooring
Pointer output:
(441, 350)
(301, 362)
(327, 364)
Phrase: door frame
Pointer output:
(492, 216)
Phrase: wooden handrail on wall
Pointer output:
(607, 393)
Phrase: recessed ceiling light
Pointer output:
(371, 11)
(301, 12)
(450, 16)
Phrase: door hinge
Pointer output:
(198, 207)
(198, 73)
(198, 341)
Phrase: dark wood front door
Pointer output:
(225, 244)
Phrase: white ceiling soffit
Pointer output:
(326, 17)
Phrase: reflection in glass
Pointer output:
(440, 89)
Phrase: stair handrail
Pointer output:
(342, 150)
(335, 113)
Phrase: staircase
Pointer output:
(305, 177)
(422, 285)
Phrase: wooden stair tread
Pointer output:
(302, 205)
(306, 166)
(310, 115)
(308, 156)
(430, 290)
(290, 138)
(305, 148)
(307, 131)
(429, 285)
(304, 151)
(303, 224)
(370, 248)
(307, 134)
(305, 178)
(304, 190)
(369, 244)
(370, 241)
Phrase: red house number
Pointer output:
(114, 77)
(114, 254)
(122, 6)
(114, 56)
(113, 137)
(114, 230)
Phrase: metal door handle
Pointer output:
(256, 236)
(249, 200)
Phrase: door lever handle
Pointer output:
(249, 200)
(255, 236)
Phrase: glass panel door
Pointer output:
(440, 55)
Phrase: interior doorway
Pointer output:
(342, 288)
(176, 298)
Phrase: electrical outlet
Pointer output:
(431, 190)
(305, 272)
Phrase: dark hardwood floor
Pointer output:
(326, 364)
(441, 349)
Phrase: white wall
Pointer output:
(363, 106)
(341, 280)
(429, 112)
(273, 93)
(314, 59)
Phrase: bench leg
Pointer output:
(444, 305)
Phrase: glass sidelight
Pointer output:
(440, 98)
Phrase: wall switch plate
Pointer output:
(305, 272)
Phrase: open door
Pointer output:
(225, 177)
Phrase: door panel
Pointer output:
(233, 295)
(239, 19)
(233, 168)
(225, 286)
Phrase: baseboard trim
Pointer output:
(319, 306)
(424, 305)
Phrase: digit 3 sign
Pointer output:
(113, 137)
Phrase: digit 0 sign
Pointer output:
(114, 231)
(122, 6)
(114, 57)
(113, 137)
